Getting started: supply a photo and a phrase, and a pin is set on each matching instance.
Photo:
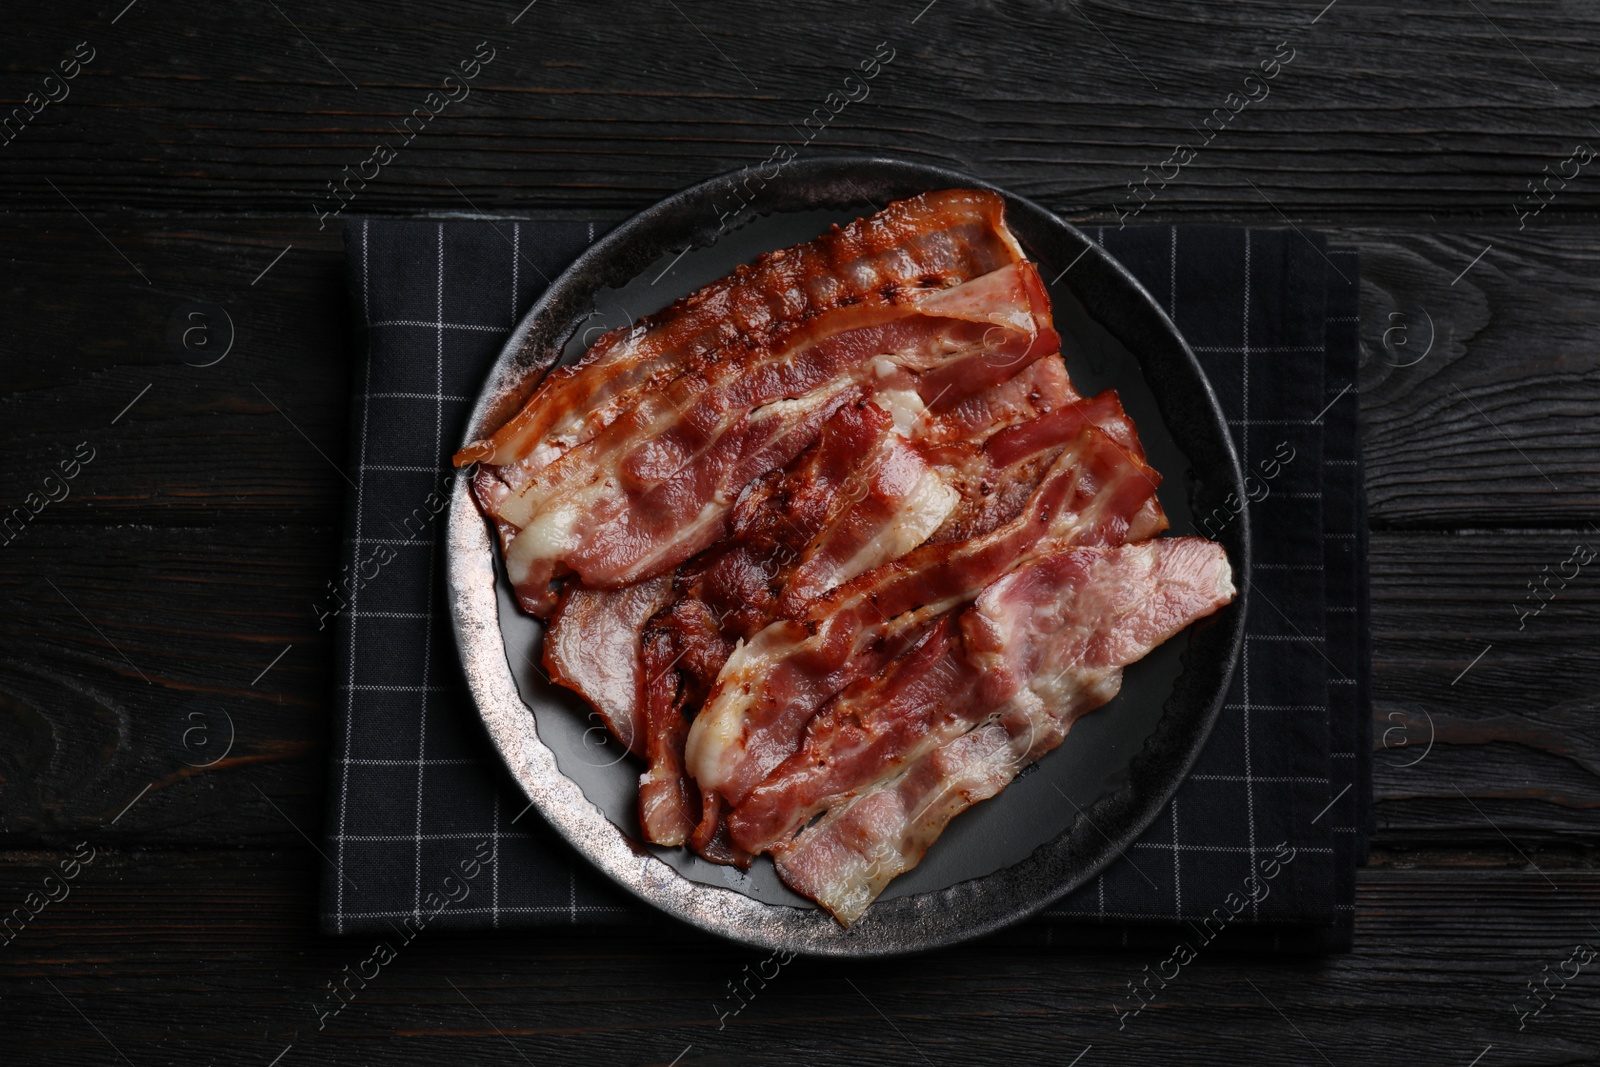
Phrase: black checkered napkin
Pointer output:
(415, 787)
(1270, 315)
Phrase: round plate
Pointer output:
(1060, 822)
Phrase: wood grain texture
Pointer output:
(200, 142)
(253, 438)
(177, 957)
(1487, 428)
(1481, 381)
(1383, 110)
(136, 636)
(200, 611)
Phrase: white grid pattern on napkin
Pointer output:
(545, 880)
(1199, 832)
(435, 698)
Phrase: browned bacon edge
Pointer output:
(770, 687)
(924, 242)
(886, 767)
(908, 700)
(654, 486)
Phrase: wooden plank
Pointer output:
(1482, 428)
(1480, 379)
(1479, 645)
(174, 955)
(134, 653)
(178, 437)
(192, 547)
(1381, 111)
(201, 612)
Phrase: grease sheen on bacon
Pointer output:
(771, 686)
(656, 485)
(865, 275)
(834, 546)
(860, 496)
(894, 760)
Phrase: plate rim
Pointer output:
(901, 925)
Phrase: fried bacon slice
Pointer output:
(773, 684)
(593, 646)
(655, 486)
(893, 759)
(863, 276)
(861, 496)
(930, 241)
(995, 480)
(834, 548)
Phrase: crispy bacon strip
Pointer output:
(858, 498)
(930, 241)
(875, 267)
(655, 486)
(773, 684)
(995, 481)
(1038, 389)
(893, 760)
(593, 647)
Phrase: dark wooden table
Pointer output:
(196, 146)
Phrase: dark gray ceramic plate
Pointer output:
(1061, 821)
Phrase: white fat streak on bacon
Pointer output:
(995, 480)
(884, 515)
(867, 498)
(691, 445)
(1042, 646)
(1038, 389)
(937, 239)
(592, 647)
(772, 685)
